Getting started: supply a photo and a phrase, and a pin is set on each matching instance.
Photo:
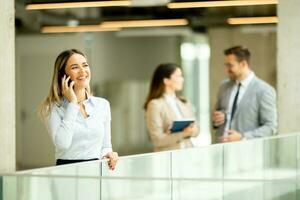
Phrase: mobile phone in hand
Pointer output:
(69, 82)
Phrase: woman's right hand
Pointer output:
(189, 130)
(67, 90)
(113, 158)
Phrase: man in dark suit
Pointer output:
(246, 105)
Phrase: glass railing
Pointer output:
(258, 169)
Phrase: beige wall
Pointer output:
(288, 65)
(127, 58)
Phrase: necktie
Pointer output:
(234, 105)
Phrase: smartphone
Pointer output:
(69, 81)
(62, 74)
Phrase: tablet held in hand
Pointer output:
(179, 125)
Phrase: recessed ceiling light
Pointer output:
(144, 23)
(203, 4)
(41, 6)
(252, 20)
(70, 29)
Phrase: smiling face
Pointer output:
(234, 68)
(79, 71)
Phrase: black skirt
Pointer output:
(63, 161)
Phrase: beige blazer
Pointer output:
(159, 119)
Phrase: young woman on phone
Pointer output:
(78, 123)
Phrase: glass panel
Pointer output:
(9, 188)
(244, 160)
(260, 169)
(89, 169)
(245, 190)
(47, 188)
(281, 158)
(283, 190)
(197, 190)
(1, 189)
(199, 162)
(150, 165)
(134, 189)
(298, 167)
(147, 166)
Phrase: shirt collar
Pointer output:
(89, 100)
(247, 80)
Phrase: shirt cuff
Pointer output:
(105, 151)
(71, 112)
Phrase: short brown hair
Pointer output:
(241, 53)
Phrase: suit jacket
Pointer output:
(159, 118)
(256, 114)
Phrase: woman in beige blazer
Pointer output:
(163, 106)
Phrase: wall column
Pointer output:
(288, 66)
(7, 87)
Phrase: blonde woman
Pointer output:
(163, 106)
(78, 123)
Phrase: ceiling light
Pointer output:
(221, 3)
(144, 23)
(40, 6)
(252, 20)
(70, 29)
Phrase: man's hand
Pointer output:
(218, 118)
(233, 135)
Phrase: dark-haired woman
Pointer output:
(163, 106)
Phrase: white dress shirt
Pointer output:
(79, 138)
(243, 88)
(171, 100)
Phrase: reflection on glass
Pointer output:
(197, 190)
(131, 189)
(281, 158)
(198, 163)
(244, 160)
(150, 166)
(245, 190)
(281, 191)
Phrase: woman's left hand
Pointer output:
(112, 159)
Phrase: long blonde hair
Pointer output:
(55, 92)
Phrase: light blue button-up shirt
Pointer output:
(76, 137)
